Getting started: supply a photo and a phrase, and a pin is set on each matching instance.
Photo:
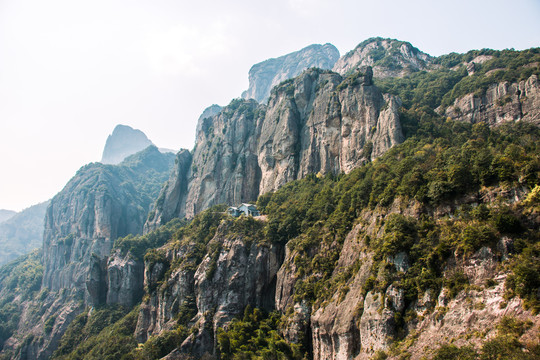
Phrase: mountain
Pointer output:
(210, 111)
(269, 73)
(387, 57)
(397, 223)
(98, 205)
(124, 141)
(317, 122)
(22, 233)
(6, 214)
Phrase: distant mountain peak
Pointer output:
(123, 141)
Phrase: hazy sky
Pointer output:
(71, 70)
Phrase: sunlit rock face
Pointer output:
(316, 122)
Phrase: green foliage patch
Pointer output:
(255, 336)
(105, 333)
(21, 277)
(438, 164)
(506, 345)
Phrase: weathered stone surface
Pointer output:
(99, 204)
(388, 57)
(159, 311)
(172, 198)
(319, 124)
(241, 273)
(32, 342)
(377, 324)
(224, 167)
(503, 102)
(269, 73)
(473, 311)
(335, 326)
(124, 280)
(210, 111)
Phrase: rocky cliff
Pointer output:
(172, 198)
(371, 245)
(123, 141)
(206, 292)
(321, 122)
(317, 122)
(269, 73)
(99, 204)
(501, 103)
(387, 57)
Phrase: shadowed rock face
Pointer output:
(267, 74)
(124, 141)
(99, 204)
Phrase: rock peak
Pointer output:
(269, 73)
(123, 141)
(387, 57)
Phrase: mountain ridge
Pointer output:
(378, 246)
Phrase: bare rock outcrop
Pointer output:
(320, 122)
(238, 272)
(502, 102)
(124, 280)
(269, 73)
(388, 57)
(224, 167)
(317, 122)
(99, 204)
(172, 198)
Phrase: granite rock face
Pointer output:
(269, 73)
(224, 167)
(99, 204)
(502, 102)
(388, 57)
(124, 280)
(320, 122)
(237, 273)
(210, 111)
(317, 122)
(123, 141)
(172, 198)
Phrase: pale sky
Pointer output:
(71, 70)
